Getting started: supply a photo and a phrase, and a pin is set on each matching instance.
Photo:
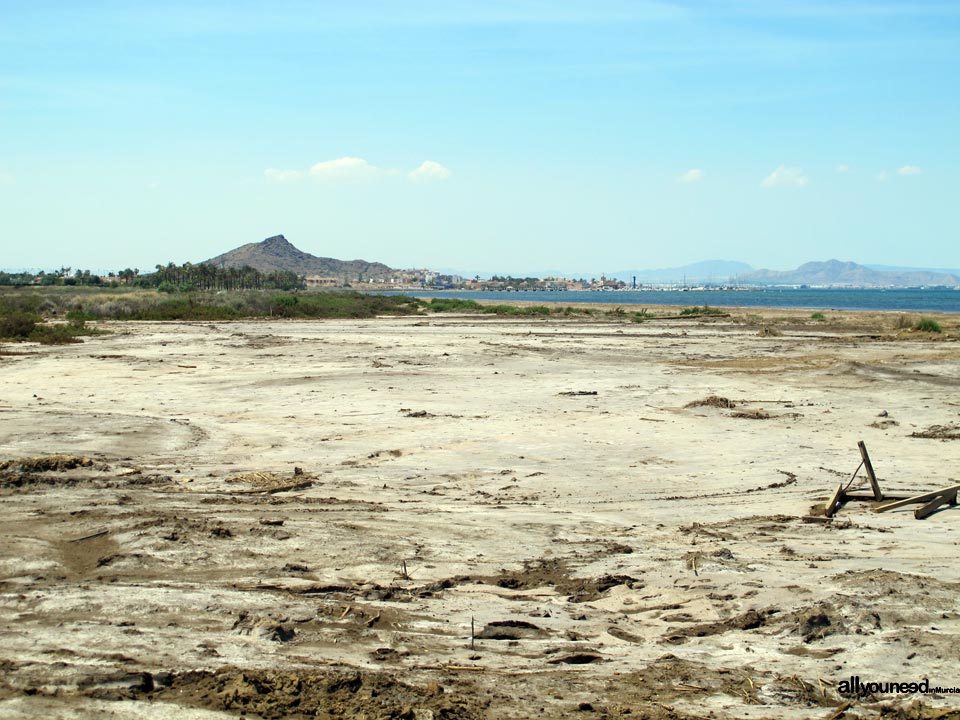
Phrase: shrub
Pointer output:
(453, 305)
(705, 310)
(818, 316)
(17, 325)
(929, 325)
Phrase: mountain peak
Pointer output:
(278, 253)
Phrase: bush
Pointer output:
(929, 325)
(453, 305)
(705, 310)
(17, 325)
(818, 316)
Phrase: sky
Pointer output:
(525, 136)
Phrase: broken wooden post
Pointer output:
(833, 504)
(949, 491)
(868, 466)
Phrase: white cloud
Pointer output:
(785, 177)
(429, 170)
(693, 175)
(282, 176)
(843, 168)
(354, 168)
(345, 167)
(909, 170)
(882, 176)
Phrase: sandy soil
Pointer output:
(306, 519)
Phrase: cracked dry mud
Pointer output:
(310, 519)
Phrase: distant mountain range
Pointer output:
(707, 271)
(278, 253)
(849, 274)
(830, 273)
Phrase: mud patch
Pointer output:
(554, 573)
(756, 414)
(712, 401)
(48, 463)
(510, 630)
(750, 620)
(939, 432)
(293, 694)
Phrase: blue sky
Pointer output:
(524, 136)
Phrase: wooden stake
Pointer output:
(868, 466)
(917, 499)
(472, 633)
(840, 711)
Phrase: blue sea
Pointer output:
(905, 300)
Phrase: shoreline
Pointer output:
(817, 300)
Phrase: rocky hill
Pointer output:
(278, 253)
(848, 274)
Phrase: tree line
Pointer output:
(166, 278)
(210, 277)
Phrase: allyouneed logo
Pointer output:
(854, 686)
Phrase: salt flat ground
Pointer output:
(543, 482)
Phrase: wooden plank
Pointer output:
(921, 512)
(834, 502)
(868, 466)
(871, 497)
(917, 499)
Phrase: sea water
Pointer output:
(943, 300)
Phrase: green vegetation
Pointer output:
(454, 305)
(459, 305)
(54, 314)
(57, 277)
(471, 306)
(169, 279)
(79, 305)
(929, 325)
(19, 326)
(818, 316)
(518, 283)
(187, 277)
(705, 310)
